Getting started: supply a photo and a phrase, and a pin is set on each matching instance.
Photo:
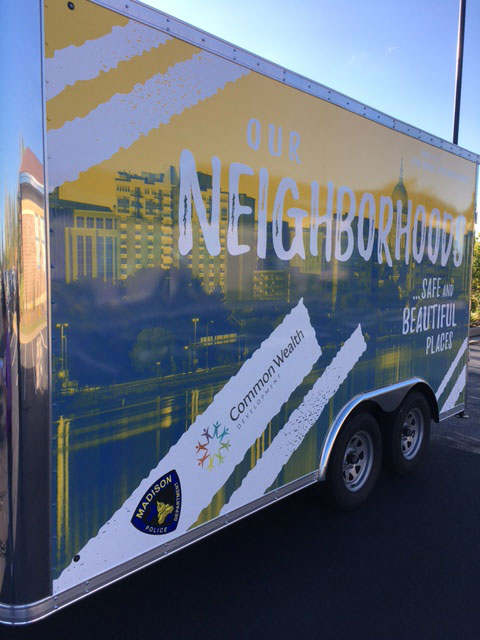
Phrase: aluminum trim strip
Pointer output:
(49, 266)
(452, 412)
(165, 22)
(24, 614)
(25, 571)
(470, 283)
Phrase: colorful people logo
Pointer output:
(213, 446)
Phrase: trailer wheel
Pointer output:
(355, 462)
(407, 440)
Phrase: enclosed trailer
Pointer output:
(221, 282)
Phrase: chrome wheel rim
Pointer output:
(357, 461)
(412, 433)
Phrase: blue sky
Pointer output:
(398, 57)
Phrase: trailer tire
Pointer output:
(407, 440)
(355, 462)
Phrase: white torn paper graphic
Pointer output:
(122, 120)
(261, 477)
(88, 60)
(208, 452)
(452, 368)
(454, 394)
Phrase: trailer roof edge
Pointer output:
(174, 26)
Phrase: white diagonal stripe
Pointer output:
(261, 477)
(118, 123)
(454, 394)
(243, 407)
(86, 61)
(451, 369)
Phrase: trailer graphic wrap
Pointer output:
(245, 405)
(263, 475)
(232, 261)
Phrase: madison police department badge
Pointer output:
(158, 511)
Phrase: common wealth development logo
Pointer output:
(212, 446)
(159, 509)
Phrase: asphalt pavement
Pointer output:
(404, 566)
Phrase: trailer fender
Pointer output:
(386, 399)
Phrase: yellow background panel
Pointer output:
(87, 21)
(335, 145)
(78, 100)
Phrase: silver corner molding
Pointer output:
(24, 340)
